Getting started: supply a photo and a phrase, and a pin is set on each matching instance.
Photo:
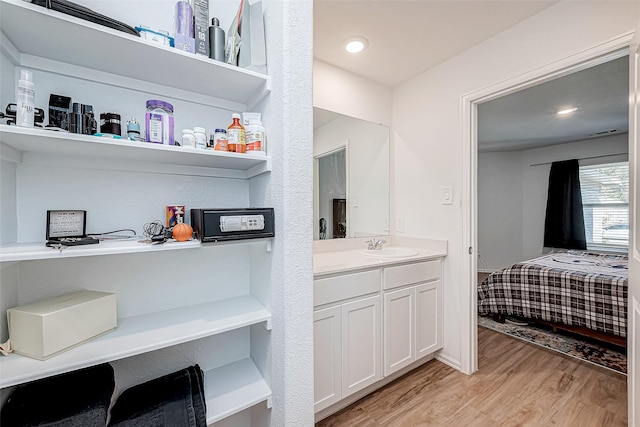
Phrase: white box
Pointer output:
(46, 328)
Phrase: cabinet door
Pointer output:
(361, 364)
(398, 332)
(327, 354)
(428, 318)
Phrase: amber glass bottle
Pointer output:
(237, 141)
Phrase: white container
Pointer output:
(188, 138)
(46, 328)
(25, 99)
(254, 132)
(201, 137)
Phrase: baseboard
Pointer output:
(455, 364)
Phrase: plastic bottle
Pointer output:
(159, 122)
(255, 137)
(220, 140)
(26, 99)
(236, 137)
(188, 138)
(201, 137)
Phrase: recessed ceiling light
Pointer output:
(567, 111)
(355, 44)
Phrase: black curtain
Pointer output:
(564, 222)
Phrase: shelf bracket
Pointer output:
(267, 324)
(269, 402)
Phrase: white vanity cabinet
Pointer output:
(346, 336)
(412, 313)
(369, 324)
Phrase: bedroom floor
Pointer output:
(517, 384)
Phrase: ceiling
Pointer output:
(407, 38)
(527, 119)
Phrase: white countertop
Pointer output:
(349, 260)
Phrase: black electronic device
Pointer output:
(59, 110)
(218, 225)
(68, 228)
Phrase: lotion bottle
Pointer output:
(26, 99)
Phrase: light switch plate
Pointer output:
(447, 195)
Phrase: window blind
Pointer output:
(605, 199)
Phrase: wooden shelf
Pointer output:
(140, 334)
(40, 143)
(30, 29)
(233, 388)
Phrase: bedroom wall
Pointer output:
(512, 197)
(428, 143)
(500, 199)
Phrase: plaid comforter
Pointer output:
(579, 289)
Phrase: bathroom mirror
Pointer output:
(351, 177)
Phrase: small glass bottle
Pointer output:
(236, 137)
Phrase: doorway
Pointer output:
(330, 174)
(584, 60)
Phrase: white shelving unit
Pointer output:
(114, 153)
(38, 250)
(233, 388)
(139, 334)
(23, 22)
(230, 388)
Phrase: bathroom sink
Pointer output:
(389, 252)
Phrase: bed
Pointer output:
(582, 292)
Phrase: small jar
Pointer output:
(201, 137)
(159, 122)
(220, 140)
(188, 138)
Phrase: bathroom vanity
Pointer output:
(377, 314)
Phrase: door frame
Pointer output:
(323, 152)
(612, 49)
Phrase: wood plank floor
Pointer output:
(517, 384)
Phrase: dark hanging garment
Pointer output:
(78, 398)
(564, 221)
(174, 400)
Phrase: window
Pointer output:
(605, 200)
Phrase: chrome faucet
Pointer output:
(375, 245)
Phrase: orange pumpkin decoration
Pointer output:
(182, 232)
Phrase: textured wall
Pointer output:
(289, 190)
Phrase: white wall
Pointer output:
(427, 137)
(512, 197)
(499, 208)
(335, 89)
